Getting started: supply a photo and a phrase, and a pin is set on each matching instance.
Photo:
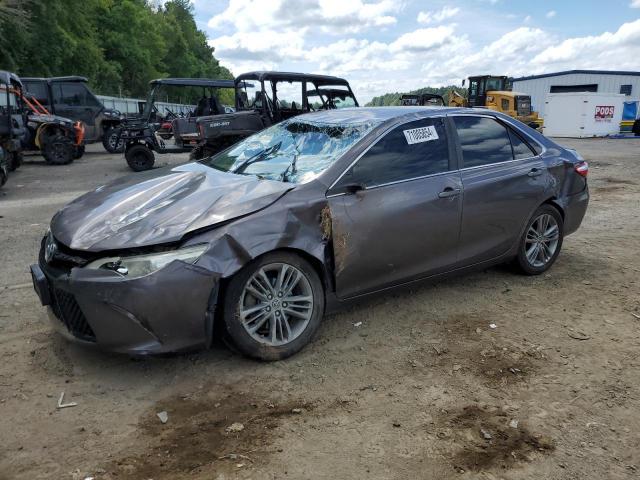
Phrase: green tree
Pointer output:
(120, 45)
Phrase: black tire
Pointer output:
(78, 151)
(544, 259)
(14, 160)
(58, 149)
(196, 153)
(235, 332)
(636, 128)
(4, 175)
(139, 158)
(111, 140)
(199, 152)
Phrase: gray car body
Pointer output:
(418, 234)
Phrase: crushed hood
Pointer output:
(160, 206)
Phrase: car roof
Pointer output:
(71, 78)
(9, 77)
(292, 76)
(381, 114)
(194, 82)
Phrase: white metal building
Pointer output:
(601, 81)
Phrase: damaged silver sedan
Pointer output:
(256, 243)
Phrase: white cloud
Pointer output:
(422, 40)
(260, 50)
(611, 51)
(551, 14)
(408, 52)
(635, 4)
(262, 35)
(439, 16)
(267, 34)
(331, 16)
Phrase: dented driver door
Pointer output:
(396, 211)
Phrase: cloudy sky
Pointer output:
(396, 45)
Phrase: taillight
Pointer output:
(582, 168)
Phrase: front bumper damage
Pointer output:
(167, 311)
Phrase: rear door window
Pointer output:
(411, 150)
(520, 148)
(483, 141)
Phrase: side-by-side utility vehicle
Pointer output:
(265, 98)
(70, 97)
(149, 133)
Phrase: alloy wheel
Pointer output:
(541, 241)
(276, 304)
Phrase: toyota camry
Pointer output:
(258, 242)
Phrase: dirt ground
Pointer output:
(413, 384)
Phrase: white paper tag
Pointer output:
(419, 135)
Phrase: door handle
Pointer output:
(449, 192)
(534, 172)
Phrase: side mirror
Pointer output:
(463, 81)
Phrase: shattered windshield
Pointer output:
(292, 151)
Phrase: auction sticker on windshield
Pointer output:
(419, 135)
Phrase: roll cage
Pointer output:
(208, 105)
(267, 99)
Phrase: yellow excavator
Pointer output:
(494, 93)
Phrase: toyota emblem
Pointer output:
(50, 250)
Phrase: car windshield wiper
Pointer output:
(258, 157)
(290, 170)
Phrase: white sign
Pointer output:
(419, 135)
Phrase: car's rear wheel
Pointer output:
(541, 242)
(139, 158)
(273, 306)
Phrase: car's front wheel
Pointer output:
(541, 242)
(273, 306)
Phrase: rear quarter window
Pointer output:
(520, 148)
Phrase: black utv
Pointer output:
(422, 99)
(12, 129)
(32, 127)
(144, 135)
(265, 98)
(70, 97)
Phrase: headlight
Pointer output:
(141, 265)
